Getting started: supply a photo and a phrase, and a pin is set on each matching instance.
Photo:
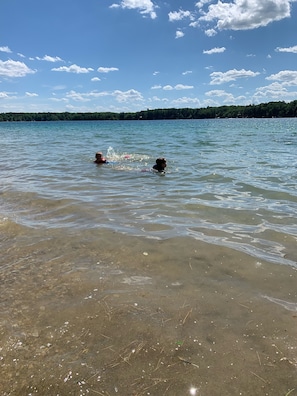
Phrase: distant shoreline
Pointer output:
(264, 110)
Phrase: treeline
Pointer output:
(264, 110)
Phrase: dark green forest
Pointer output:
(264, 110)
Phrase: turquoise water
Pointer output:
(228, 182)
(118, 281)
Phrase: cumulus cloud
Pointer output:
(287, 49)
(5, 49)
(287, 77)
(210, 32)
(168, 88)
(274, 91)
(230, 75)
(179, 34)
(227, 97)
(95, 79)
(127, 96)
(201, 3)
(185, 101)
(216, 92)
(107, 69)
(156, 87)
(50, 58)
(145, 7)
(181, 86)
(177, 87)
(194, 24)
(215, 50)
(179, 15)
(12, 68)
(120, 96)
(246, 14)
(84, 96)
(73, 69)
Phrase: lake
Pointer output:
(116, 280)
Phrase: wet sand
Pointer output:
(100, 313)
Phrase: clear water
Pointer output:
(228, 182)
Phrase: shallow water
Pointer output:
(229, 182)
(117, 281)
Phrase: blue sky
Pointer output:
(131, 55)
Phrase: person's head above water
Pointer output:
(160, 164)
(99, 158)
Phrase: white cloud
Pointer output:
(95, 79)
(246, 14)
(215, 50)
(4, 95)
(179, 15)
(288, 49)
(50, 58)
(187, 72)
(227, 97)
(127, 96)
(177, 87)
(287, 77)
(79, 97)
(5, 49)
(154, 99)
(107, 69)
(194, 24)
(274, 91)
(185, 101)
(120, 96)
(73, 69)
(144, 6)
(156, 87)
(179, 34)
(220, 93)
(216, 92)
(12, 68)
(155, 73)
(230, 75)
(59, 100)
(31, 94)
(201, 3)
(210, 32)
